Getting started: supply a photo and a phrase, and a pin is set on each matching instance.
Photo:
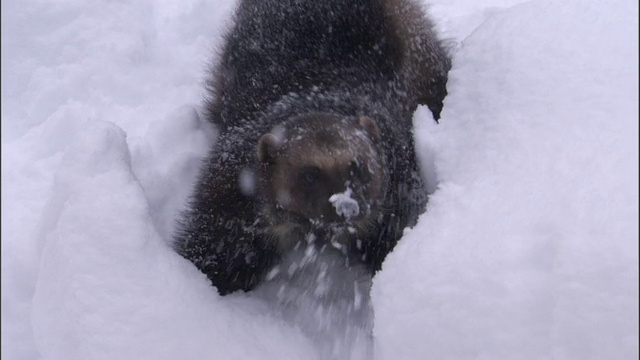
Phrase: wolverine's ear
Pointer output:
(370, 126)
(267, 147)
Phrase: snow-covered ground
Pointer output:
(528, 248)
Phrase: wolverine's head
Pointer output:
(321, 171)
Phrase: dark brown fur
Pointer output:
(320, 90)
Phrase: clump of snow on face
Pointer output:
(344, 204)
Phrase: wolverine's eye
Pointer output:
(357, 171)
(309, 176)
(354, 169)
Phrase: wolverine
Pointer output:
(313, 101)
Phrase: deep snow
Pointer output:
(528, 248)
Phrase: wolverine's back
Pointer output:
(290, 46)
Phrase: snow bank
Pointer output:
(529, 246)
(109, 288)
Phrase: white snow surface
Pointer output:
(528, 248)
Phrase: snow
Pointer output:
(315, 291)
(106, 278)
(344, 204)
(528, 248)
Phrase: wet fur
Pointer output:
(284, 60)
